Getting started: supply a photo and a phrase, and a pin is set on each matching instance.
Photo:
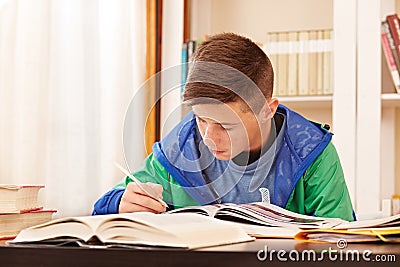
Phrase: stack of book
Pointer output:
(384, 229)
(19, 209)
(390, 37)
(302, 62)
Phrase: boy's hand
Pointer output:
(134, 199)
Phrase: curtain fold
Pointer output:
(68, 70)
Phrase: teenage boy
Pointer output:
(236, 142)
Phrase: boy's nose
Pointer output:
(212, 136)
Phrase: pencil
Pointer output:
(141, 186)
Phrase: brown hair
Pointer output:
(219, 65)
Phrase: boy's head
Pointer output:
(224, 62)
(229, 88)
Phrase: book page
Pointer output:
(183, 230)
(269, 214)
(71, 227)
(129, 231)
(208, 210)
(382, 222)
(186, 230)
(262, 231)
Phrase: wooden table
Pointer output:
(280, 252)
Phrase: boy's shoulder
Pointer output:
(304, 137)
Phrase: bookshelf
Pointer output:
(364, 119)
(316, 108)
(373, 101)
(310, 102)
(339, 109)
(391, 100)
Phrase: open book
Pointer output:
(383, 229)
(135, 229)
(260, 213)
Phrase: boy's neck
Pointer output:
(248, 157)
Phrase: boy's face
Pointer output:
(227, 130)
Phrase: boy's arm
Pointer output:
(109, 202)
(150, 171)
(322, 191)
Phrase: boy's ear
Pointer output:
(269, 109)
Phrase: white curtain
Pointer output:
(68, 69)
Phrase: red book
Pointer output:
(394, 28)
(390, 54)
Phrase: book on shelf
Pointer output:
(395, 204)
(394, 30)
(283, 57)
(392, 46)
(384, 229)
(320, 62)
(187, 231)
(327, 62)
(12, 223)
(191, 48)
(187, 51)
(271, 49)
(292, 64)
(303, 64)
(312, 63)
(389, 54)
(14, 198)
(184, 69)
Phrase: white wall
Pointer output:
(172, 39)
(269, 15)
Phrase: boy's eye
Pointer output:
(200, 120)
(226, 128)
